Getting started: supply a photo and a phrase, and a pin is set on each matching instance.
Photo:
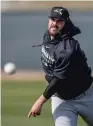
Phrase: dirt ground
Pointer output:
(24, 75)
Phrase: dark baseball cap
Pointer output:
(60, 13)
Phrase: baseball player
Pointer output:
(67, 72)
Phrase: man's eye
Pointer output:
(59, 21)
(53, 19)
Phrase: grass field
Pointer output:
(17, 98)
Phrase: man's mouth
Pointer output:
(55, 27)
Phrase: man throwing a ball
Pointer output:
(67, 73)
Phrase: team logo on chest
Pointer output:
(46, 58)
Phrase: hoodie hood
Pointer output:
(70, 29)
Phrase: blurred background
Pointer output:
(23, 24)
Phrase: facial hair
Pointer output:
(54, 27)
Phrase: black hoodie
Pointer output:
(65, 64)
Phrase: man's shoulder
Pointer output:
(66, 47)
(72, 43)
(68, 44)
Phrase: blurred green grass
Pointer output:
(17, 97)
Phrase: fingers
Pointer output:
(29, 115)
(35, 110)
(38, 114)
(34, 114)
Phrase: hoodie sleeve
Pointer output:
(51, 88)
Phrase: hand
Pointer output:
(35, 110)
(37, 107)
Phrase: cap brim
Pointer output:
(56, 17)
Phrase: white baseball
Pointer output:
(10, 68)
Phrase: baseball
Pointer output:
(10, 68)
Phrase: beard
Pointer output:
(53, 30)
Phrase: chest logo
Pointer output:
(46, 58)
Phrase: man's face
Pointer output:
(55, 25)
